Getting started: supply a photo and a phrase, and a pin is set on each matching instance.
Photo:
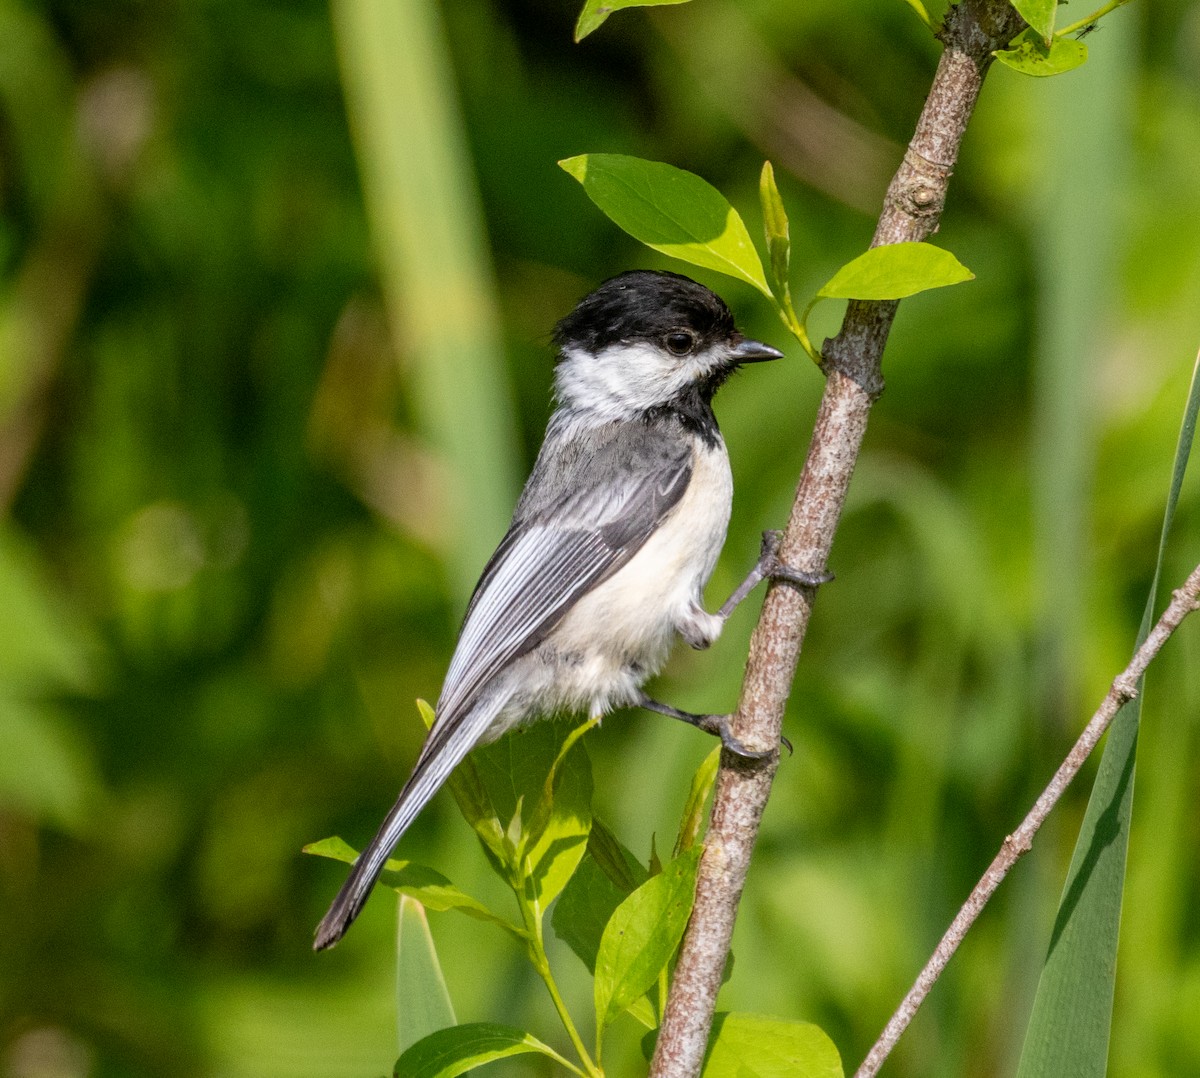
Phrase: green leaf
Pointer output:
(758, 1046)
(779, 241)
(562, 840)
(428, 715)
(453, 1051)
(642, 936)
(580, 914)
(693, 809)
(422, 1001)
(1069, 1028)
(335, 848)
(605, 878)
(1030, 55)
(514, 773)
(543, 816)
(895, 271)
(476, 807)
(434, 891)
(614, 859)
(596, 11)
(426, 885)
(671, 210)
(779, 246)
(513, 770)
(584, 908)
(1040, 16)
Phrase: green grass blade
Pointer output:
(422, 1001)
(427, 227)
(1068, 1032)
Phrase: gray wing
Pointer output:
(552, 556)
(590, 505)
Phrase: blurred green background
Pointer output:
(277, 282)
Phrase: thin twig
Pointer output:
(852, 363)
(1124, 688)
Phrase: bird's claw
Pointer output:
(774, 569)
(718, 726)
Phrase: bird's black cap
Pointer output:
(645, 305)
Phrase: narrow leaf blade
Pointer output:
(894, 272)
(1068, 1031)
(642, 935)
(693, 809)
(422, 999)
(454, 1051)
(672, 211)
(775, 225)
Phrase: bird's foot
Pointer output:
(772, 568)
(718, 726)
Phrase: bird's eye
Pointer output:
(680, 342)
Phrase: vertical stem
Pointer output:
(541, 963)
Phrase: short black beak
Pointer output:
(747, 351)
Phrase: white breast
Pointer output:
(619, 635)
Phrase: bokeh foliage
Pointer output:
(234, 543)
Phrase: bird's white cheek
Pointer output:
(621, 379)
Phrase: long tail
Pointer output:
(449, 741)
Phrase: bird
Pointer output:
(611, 544)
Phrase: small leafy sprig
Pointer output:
(684, 216)
(528, 799)
(1040, 51)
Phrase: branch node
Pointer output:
(918, 189)
(1125, 685)
(1018, 846)
(1184, 598)
(855, 352)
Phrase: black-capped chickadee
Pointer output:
(613, 540)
